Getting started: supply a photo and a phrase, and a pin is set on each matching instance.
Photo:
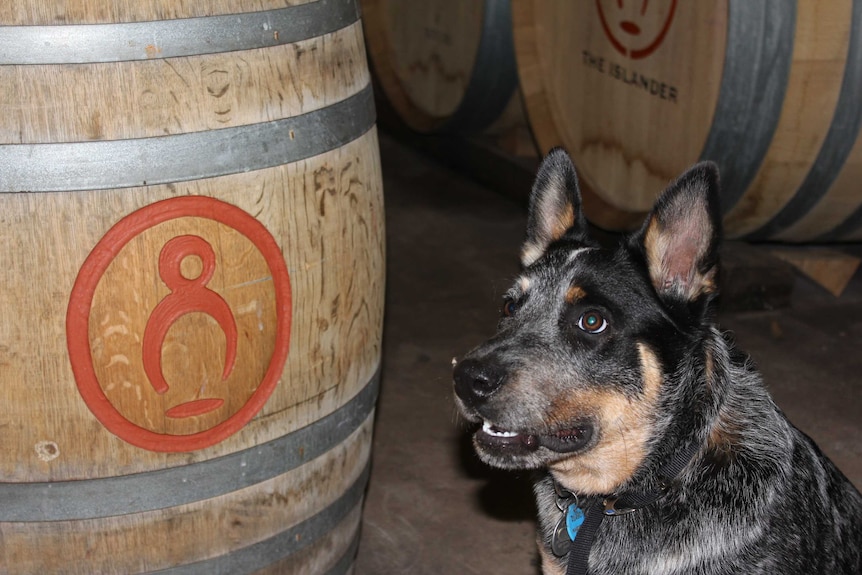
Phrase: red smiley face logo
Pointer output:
(636, 28)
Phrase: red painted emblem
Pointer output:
(215, 301)
(636, 28)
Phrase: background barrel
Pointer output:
(638, 91)
(444, 65)
(192, 272)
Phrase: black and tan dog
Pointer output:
(608, 374)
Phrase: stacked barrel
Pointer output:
(637, 91)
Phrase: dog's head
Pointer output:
(576, 377)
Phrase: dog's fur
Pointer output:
(607, 362)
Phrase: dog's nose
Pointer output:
(476, 380)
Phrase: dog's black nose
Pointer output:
(475, 380)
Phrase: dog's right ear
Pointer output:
(555, 207)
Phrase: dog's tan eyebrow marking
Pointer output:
(575, 294)
(524, 283)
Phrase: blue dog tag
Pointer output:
(574, 520)
(567, 526)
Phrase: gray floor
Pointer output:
(432, 507)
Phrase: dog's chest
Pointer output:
(628, 545)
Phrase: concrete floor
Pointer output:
(432, 507)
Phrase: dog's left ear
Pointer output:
(680, 237)
(555, 207)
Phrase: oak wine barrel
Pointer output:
(444, 65)
(192, 285)
(639, 91)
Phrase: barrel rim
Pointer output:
(128, 41)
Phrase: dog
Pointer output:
(657, 447)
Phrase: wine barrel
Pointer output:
(192, 271)
(444, 65)
(638, 91)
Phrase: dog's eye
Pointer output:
(510, 306)
(592, 322)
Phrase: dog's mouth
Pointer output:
(562, 441)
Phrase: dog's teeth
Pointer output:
(491, 430)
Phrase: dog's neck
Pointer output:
(574, 531)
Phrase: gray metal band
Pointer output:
(65, 167)
(89, 43)
(495, 75)
(136, 493)
(845, 228)
(264, 553)
(757, 64)
(837, 145)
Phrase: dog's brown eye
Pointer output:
(592, 322)
(510, 306)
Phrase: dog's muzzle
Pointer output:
(476, 381)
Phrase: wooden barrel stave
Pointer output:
(84, 12)
(444, 66)
(318, 375)
(321, 200)
(819, 208)
(758, 68)
(247, 529)
(141, 99)
(318, 557)
(796, 170)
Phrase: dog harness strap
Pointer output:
(579, 552)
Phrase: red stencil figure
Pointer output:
(240, 401)
(187, 295)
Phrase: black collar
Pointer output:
(576, 529)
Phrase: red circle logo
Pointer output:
(178, 324)
(636, 28)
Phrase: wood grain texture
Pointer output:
(207, 529)
(110, 101)
(212, 280)
(423, 54)
(842, 199)
(324, 554)
(630, 124)
(630, 135)
(831, 269)
(48, 13)
(820, 45)
(326, 215)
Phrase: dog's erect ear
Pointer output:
(680, 237)
(555, 206)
